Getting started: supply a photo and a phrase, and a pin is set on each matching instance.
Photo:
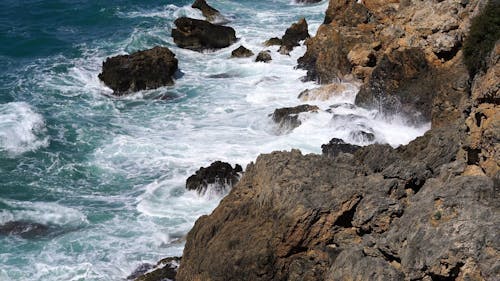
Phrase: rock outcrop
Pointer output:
(293, 35)
(211, 14)
(149, 69)
(24, 229)
(220, 175)
(241, 52)
(199, 35)
(287, 118)
(166, 269)
(264, 56)
(336, 146)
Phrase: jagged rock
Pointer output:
(393, 86)
(323, 93)
(241, 52)
(149, 69)
(166, 269)
(264, 56)
(211, 14)
(24, 229)
(293, 35)
(347, 12)
(140, 270)
(288, 117)
(199, 35)
(275, 41)
(219, 174)
(336, 146)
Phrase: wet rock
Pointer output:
(149, 69)
(293, 35)
(24, 229)
(264, 56)
(219, 174)
(199, 35)
(211, 14)
(275, 41)
(307, 1)
(362, 136)
(393, 87)
(140, 270)
(165, 269)
(323, 93)
(288, 117)
(241, 52)
(336, 146)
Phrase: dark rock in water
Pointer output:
(293, 35)
(264, 56)
(199, 35)
(362, 136)
(140, 270)
(220, 174)
(149, 69)
(275, 41)
(337, 146)
(24, 229)
(221, 75)
(307, 1)
(241, 52)
(393, 86)
(288, 118)
(166, 269)
(210, 13)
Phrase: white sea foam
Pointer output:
(21, 128)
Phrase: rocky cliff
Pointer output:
(429, 210)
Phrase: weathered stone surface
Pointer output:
(24, 229)
(142, 70)
(166, 269)
(211, 14)
(264, 56)
(288, 117)
(199, 35)
(337, 146)
(241, 52)
(219, 174)
(324, 92)
(275, 41)
(293, 35)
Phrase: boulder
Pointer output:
(402, 83)
(264, 56)
(275, 41)
(293, 35)
(219, 174)
(166, 269)
(211, 14)
(199, 35)
(143, 70)
(25, 229)
(323, 93)
(336, 146)
(288, 117)
(241, 52)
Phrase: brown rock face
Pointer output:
(264, 56)
(199, 35)
(288, 117)
(241, 52)
(293, 35)
(211, 14)
(149, 69)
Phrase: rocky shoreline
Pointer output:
(428, 210)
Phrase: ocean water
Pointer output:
(107, 174)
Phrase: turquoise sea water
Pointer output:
(107, 174)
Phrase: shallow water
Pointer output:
(108, 173)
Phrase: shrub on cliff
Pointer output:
(484, 32)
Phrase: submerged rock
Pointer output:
(336, 146)
(25, 229)
(166, 269)
(143, 70)
(241, 52)
(293, 35)
(211, 14)
(264, 56)
(288, 117)
(199, 35)
(219, 174)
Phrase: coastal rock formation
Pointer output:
(322, 93)
(307, 1)
(264, 56)
(293, 35)
(166, 269)
(211, 14)
(241, 52)
(275, 41)
(287, 118)
(220, 175)
(24, 229)
(199, 35)
(149, 69)
(336, 146)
